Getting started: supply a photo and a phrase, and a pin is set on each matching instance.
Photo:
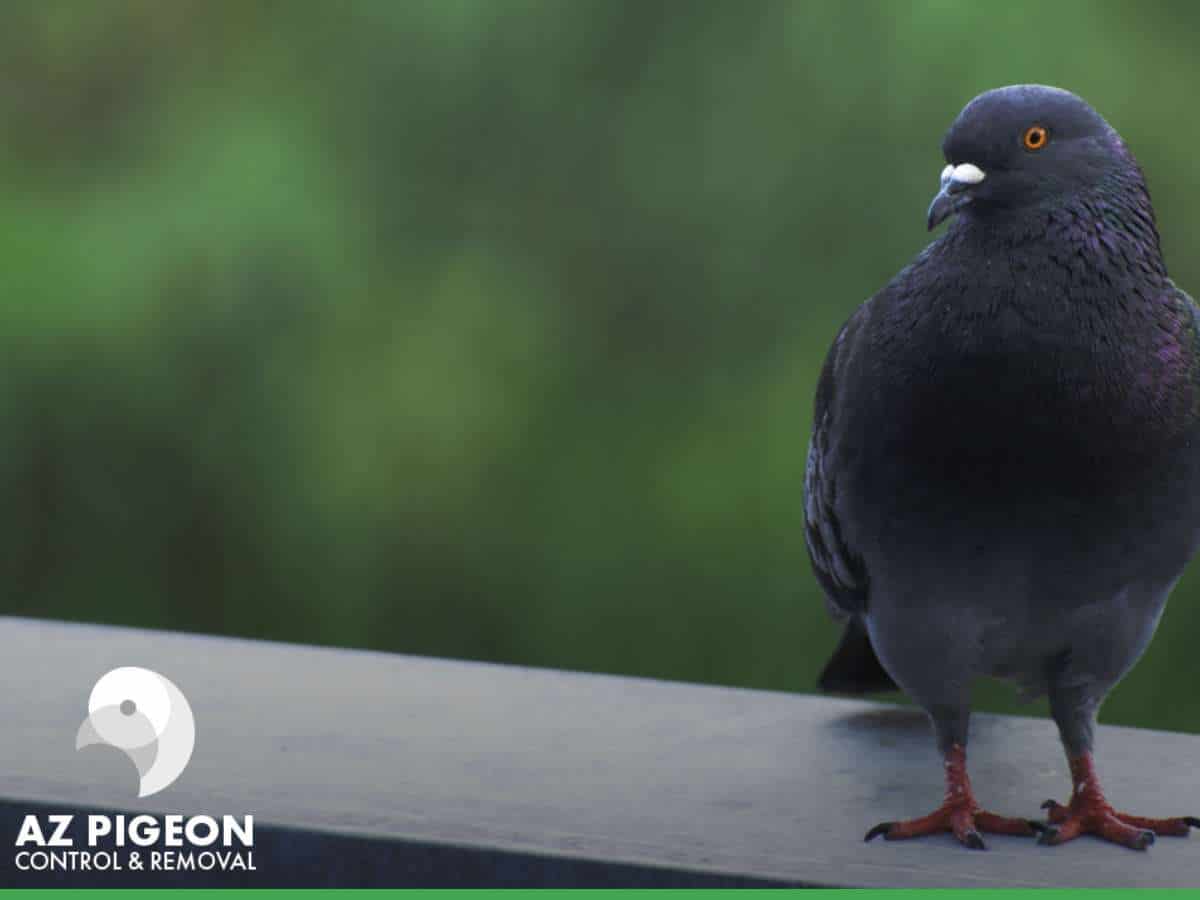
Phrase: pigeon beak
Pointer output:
(953, 194)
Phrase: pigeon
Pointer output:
(1003, 476)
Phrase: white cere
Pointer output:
(966, 173)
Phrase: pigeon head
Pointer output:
(1018, 149)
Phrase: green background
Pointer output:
(490, 329)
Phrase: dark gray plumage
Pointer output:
(1004, 471)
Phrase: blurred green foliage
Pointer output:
(488, 328)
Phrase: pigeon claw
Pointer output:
(881, 828)
(1109, 828)
(1100, 819)
(1090, 813)
(1174, 826)
(964, 820)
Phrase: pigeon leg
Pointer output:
(958, 814)
(1089, 813)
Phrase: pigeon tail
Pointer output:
(854, 668)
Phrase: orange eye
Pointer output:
(1035, 137)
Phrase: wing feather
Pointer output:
(839, 569)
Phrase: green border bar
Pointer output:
(601, 894)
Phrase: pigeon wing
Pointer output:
(839, 570)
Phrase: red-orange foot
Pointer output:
(959, 813)
(965, 821)
(1089, 813)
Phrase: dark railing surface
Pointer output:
(369, 769)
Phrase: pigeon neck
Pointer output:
(1104, 236)
(1114, 225)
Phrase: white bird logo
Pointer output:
(145, 715)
